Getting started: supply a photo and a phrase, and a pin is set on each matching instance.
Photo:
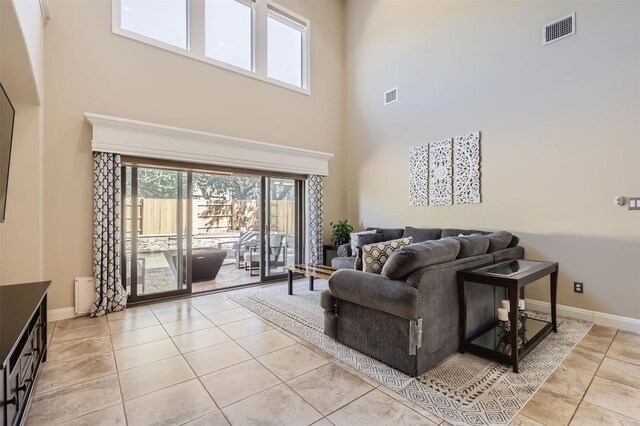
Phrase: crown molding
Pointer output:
(148, 140)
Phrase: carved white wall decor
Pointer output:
(440, 173)
(467, 168)
(419, 175)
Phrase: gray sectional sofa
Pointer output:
(408, 316)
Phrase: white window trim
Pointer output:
(195, 41)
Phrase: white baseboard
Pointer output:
(60, 314)
(617, 321)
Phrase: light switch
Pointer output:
(634, 203)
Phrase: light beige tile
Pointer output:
(265, 342)
(329, 388)
(245, 327)
(132, 324)
(199, 300)
(61, 336)
(322, 422)
(74, 401)
(622, 349)
(614, 396)
(292, 361)
(172, 304)
(569, 381)
(620, 371)
(154, 376)
(176, 314)
(63, 374)
(213, 419)
(290, 335)
(603, 331)
(213, 358)
(80, 322)
(190, 342)
(138, 337)
(278, 405)
(219, 305)
(583, 359)
(410, 404)
(592, 415)
(318, 351)
(111, 416)
(357, 373)
(187, 325)
(78, 349)
(379, 409)
(629, 339)
(238, 382)
(231, 315)
(136, 356)
(135, 311)
(521, 420)
(170, 406)
(50, 327)
(551, 408)
(595, 343)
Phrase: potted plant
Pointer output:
(341, 231)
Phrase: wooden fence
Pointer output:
(160, 216)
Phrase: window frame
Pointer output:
(196, 39)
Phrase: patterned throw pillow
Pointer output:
(375, 255)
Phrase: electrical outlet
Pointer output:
(578, 287)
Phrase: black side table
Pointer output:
(513, 275)
(326, 248)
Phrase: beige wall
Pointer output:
(559, 124)
(21, 74)
(89, 69)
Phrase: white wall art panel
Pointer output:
(467, 169)
(440, 173)
(419, 175)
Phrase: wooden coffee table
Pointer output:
(322, 272)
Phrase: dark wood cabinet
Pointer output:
(23, 346)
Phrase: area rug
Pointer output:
(463, 389)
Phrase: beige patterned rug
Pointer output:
(463, 389)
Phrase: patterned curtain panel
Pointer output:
(314, 218)
(111, 295)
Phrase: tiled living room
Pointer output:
(319, 212)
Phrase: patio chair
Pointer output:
(277, 254)
(245, 240)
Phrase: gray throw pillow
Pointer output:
(411, 258)
(363, 240)
(389, 233)
(453, 232)
(422, 234)
(472, 245)
(499, 240)
(354, 240)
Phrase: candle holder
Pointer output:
(504, 334)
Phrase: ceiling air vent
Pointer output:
(391, 96)
(559, 29)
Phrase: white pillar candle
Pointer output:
(506, 305)
(503, 314)
(521, 304)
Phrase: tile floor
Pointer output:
(208, 361)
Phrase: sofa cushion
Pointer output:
(374, 256)
(499, 240)
(363, 240)
(389, 233)
(411, 258)
(354, 240)
(472, 245)
(514, 242)
(343, 262)
(453, 232)
(344, 250)
(422, 234)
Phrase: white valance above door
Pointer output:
(149, 140)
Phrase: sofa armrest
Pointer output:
(344, 250)
(376, 292)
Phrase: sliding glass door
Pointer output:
(282, 239)
(189, 231)
(155, 232)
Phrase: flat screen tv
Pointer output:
(7, 114)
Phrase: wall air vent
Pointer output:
(559, 29)
(391, 96)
